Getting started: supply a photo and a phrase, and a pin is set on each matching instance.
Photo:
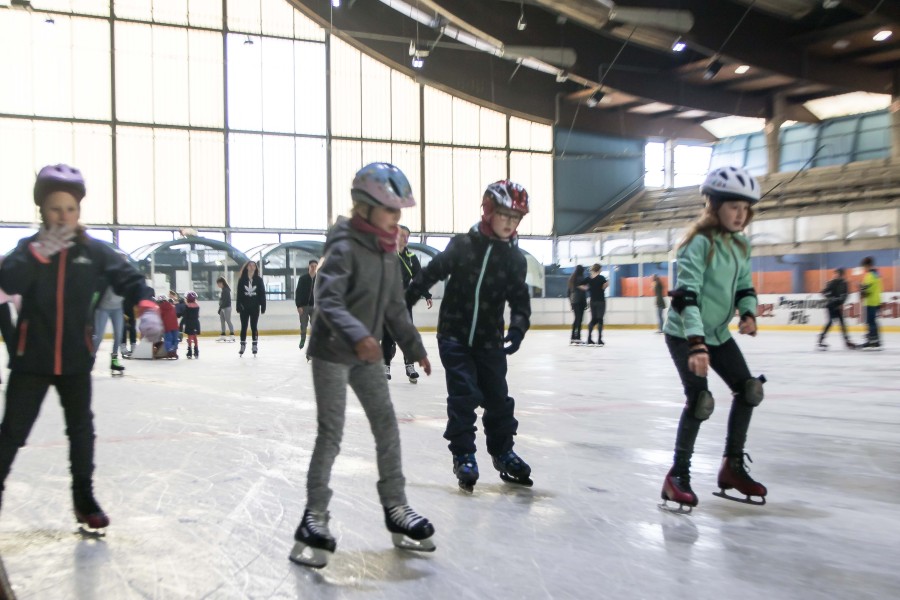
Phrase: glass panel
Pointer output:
(245, 180)
(376, 89)
(205, 13)
(16, 41)
(467, 190)
(772, 231)
(91, 69)
(138, 10)
(654, 165)
(519, 133)
(51, 54)
(691, 164)
(170, 11)
(17, 169)
(244, 16)
(279, 191)
(10, 237)
(493, 167)
(535, 172)
(820, 228)
(244, 83)
(438, 189)
(134, 61)
(465, 123)
(277, 84)
(493, 128)
(207, 179)
(312, 187)
(404, 107)
(133, 239)
(309, 88)
(872, 223)
(277, 18)
(207, 105)
(92, 153)
(541, 137)
(346, 160)
(172, 159)
(406, 157)
(346, 110)
(134, 152)
(170, 76)
(616, 243)
(306, 29)
(438, 116)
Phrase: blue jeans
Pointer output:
(118, 320)
(872, 321)
(476, 377)
(170, 339)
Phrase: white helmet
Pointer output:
(731, 183)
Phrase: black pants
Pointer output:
(6, 327)
(476, 377)
(24, 395)
(578, 309)
(598, 309)
(389, 346)
(251, 317)
(728, 362)
(834, 313)
(129, 333)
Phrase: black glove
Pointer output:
(514, 337)
(263, 310)
(411, 298)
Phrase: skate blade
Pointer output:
(411, 380)
(680, 510)
(90, 532)
(468, 488)
(746, 500)
(524, 481)
(308, 556)
(404, 542)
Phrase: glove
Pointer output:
(514, 338)
(411, 298)
(263, 310)
(151, 325)
(50, 242)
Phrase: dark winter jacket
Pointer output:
(251, 296)
(358, 293)
(225, 298)
(190, 322)
(835, 292)
(409, 268)
(304, 296)
(485, 273)
(56, 323)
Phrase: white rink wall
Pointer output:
(784, 310)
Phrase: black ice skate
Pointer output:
(677, 488)
(255, 348)
(314, 543)
(91, 518)
(821, 345)
(190, 353)
(115, 367)
(733, 475)
(409, 530)
(466, 470)
(411, 373)
(387, 372)
(513, 469)
(196, 352)
(242, 348)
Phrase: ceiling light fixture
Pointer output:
(418, 52)
(336, 3)
(882, 35)
(679, 46)
(248, 41)
(742, 69)
(562, 77)
(522, 23)
(594, 99)
(841, 44)
(712, 69)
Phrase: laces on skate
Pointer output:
(409, 530)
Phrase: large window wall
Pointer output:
(181, 117)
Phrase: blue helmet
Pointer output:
(59, 178)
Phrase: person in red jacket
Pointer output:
(170, 325)
(60, 272)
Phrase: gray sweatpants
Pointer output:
(330, 382)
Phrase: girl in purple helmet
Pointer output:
(359, 292)
(60, 272)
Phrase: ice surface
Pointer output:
(201, 467)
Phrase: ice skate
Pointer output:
(190, 353)
(91, 518)
(590, 342)
(222, 338)
(850, 345)
(115, 367)
(255, 348)
(387, 372)
(314, 543)
(733, 475)
(242, 348)
(411, 373)
(466, 470)
(871, 345)
(196, 353)
(677, 488)
(126, 352)
(513, 469)
(231, 339)
(409, 530)
(821, 345)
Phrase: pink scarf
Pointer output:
(387, 240)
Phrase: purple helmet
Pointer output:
(382, 184)
(190, 296)
(58, 178)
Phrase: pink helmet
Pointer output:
(191, 296)
(507, 194)
(382, 184)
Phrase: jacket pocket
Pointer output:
(23, 338)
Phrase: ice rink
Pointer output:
(201, 467)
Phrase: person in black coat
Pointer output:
(60, 273)
(835, 293)
(304, 299)
(251, 302)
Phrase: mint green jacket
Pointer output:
(716, 284)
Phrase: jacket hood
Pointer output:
(342, 230)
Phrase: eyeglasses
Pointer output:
(511, 217)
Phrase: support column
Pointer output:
(773, 132)
(669, 158)
(894, 111)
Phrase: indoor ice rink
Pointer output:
(201, 466)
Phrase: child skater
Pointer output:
(713, 278)
(358, 291)
(58, 271)
(190, 324)
(486, 271)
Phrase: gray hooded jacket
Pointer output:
(358, 292)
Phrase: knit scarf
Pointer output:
(387, 240)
